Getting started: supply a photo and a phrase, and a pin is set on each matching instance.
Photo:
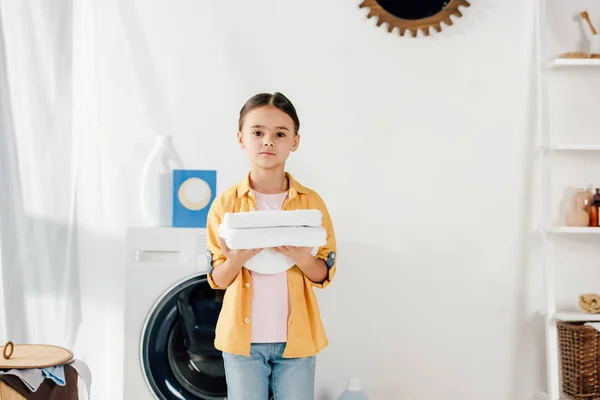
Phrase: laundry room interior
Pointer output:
(452, 159)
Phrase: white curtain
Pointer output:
(38, 206)
(55, 285)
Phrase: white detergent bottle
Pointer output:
(353, 391)
(156, 183)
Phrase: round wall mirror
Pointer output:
(414, 15)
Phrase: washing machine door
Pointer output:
(177, 346)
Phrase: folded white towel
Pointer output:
(268, 219)
(261, 238)
(266, 229)
(270, 262)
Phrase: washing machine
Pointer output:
(170, 318)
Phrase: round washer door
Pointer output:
(179, 360)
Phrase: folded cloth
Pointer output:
(261, 238)
(590, 303)
(270, 262)
(31, 378)
(595, 325)
(268, 219)
(56, 373)
(48, 389)
(84, 373)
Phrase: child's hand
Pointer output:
(299, 255)
(238, 257)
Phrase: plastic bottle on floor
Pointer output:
(353, 391)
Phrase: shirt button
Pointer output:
(246, 320)
(247, 284)
(250, 194)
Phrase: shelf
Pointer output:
(568, 229)
(573, 147)
(575, 316)
(574, 62)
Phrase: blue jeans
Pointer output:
(249, 378)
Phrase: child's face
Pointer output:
(268, 137)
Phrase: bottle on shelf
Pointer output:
(577, 216)
(596, 197)
(586, 196)
(595, 210)
(594, 215)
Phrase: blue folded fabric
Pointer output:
(57, 374)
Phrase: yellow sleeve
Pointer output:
(213, 253)
(327, 252)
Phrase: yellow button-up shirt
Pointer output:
(306, 335)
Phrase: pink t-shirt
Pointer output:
(270, 300)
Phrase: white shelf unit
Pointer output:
(547, 231)
(573, 230)
(575, 316)
(572, 147)
(574, 62)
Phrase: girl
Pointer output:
(269, 328)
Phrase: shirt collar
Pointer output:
(244, 186)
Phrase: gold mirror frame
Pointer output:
(414, 25)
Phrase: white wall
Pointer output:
(419, 147)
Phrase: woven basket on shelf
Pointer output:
(579, 347)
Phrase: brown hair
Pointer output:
(276, 100)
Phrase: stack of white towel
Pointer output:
(266, 229)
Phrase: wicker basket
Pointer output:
(579, 347)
